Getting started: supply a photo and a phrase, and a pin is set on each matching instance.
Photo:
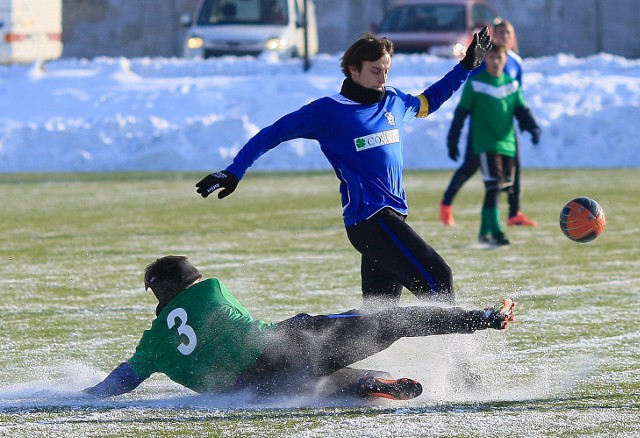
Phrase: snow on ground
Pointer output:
(113, 114)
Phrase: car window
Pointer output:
(425, 18)
(243, 12)
(481, 16)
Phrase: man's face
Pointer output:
(505, 34)
(373, 73)
(495, 62)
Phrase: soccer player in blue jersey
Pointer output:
(360, 132)
(204, 339)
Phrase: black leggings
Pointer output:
(467, 169)
(305, 348)
(393, 256)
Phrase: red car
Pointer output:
(436, 27)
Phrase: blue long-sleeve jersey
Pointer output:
(363, 143)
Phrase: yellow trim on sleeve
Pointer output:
(424, 106)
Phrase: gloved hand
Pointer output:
(535, 135)
(500, 316)
(218, 180)
(478, 48)
(454, 152)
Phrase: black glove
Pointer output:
(535, 135)
(218, 180)
(478, 48)
(527, 122)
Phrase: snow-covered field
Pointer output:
(174, 114)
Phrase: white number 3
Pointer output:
(183, 329)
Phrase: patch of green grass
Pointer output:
(74, 246)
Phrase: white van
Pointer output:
(30, 30)
(252, 27)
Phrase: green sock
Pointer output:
(495, 221)
(490, 221)
(484, 223)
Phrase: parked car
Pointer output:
(251, 27)
(437, 27)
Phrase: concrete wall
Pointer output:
(135, 28)
(340, 22)
(581, 27)
(544, 27)
(130, 28)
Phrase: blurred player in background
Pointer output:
(504, 32)
(493, 99)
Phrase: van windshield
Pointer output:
(243, 12)
(425, 18)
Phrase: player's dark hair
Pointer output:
(168, 276)
(366, 48)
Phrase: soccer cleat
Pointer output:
(521, 219)
(500, 239)
(394, 389)
(446, 214)
(501, 315)
(486, 239)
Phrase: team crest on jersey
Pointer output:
(378, 139)
(390, 118)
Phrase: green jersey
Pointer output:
(202, 339)
(492, 102)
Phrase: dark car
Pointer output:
(437, 27)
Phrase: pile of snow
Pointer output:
(174, 114)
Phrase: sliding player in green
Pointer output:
(205, 340)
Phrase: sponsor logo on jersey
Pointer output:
(378, 139)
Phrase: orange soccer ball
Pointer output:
(582, 219)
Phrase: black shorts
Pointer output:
(498, 171)
(393, 256)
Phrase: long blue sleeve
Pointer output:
(442, 90)
(298, 124)
(121, 380)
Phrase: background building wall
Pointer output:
(130, 28)
(137, 28)
(581, 27)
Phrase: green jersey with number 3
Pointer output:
(203, 339)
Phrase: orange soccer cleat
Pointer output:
(394, 389)
(522, 220)
(446, 214)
